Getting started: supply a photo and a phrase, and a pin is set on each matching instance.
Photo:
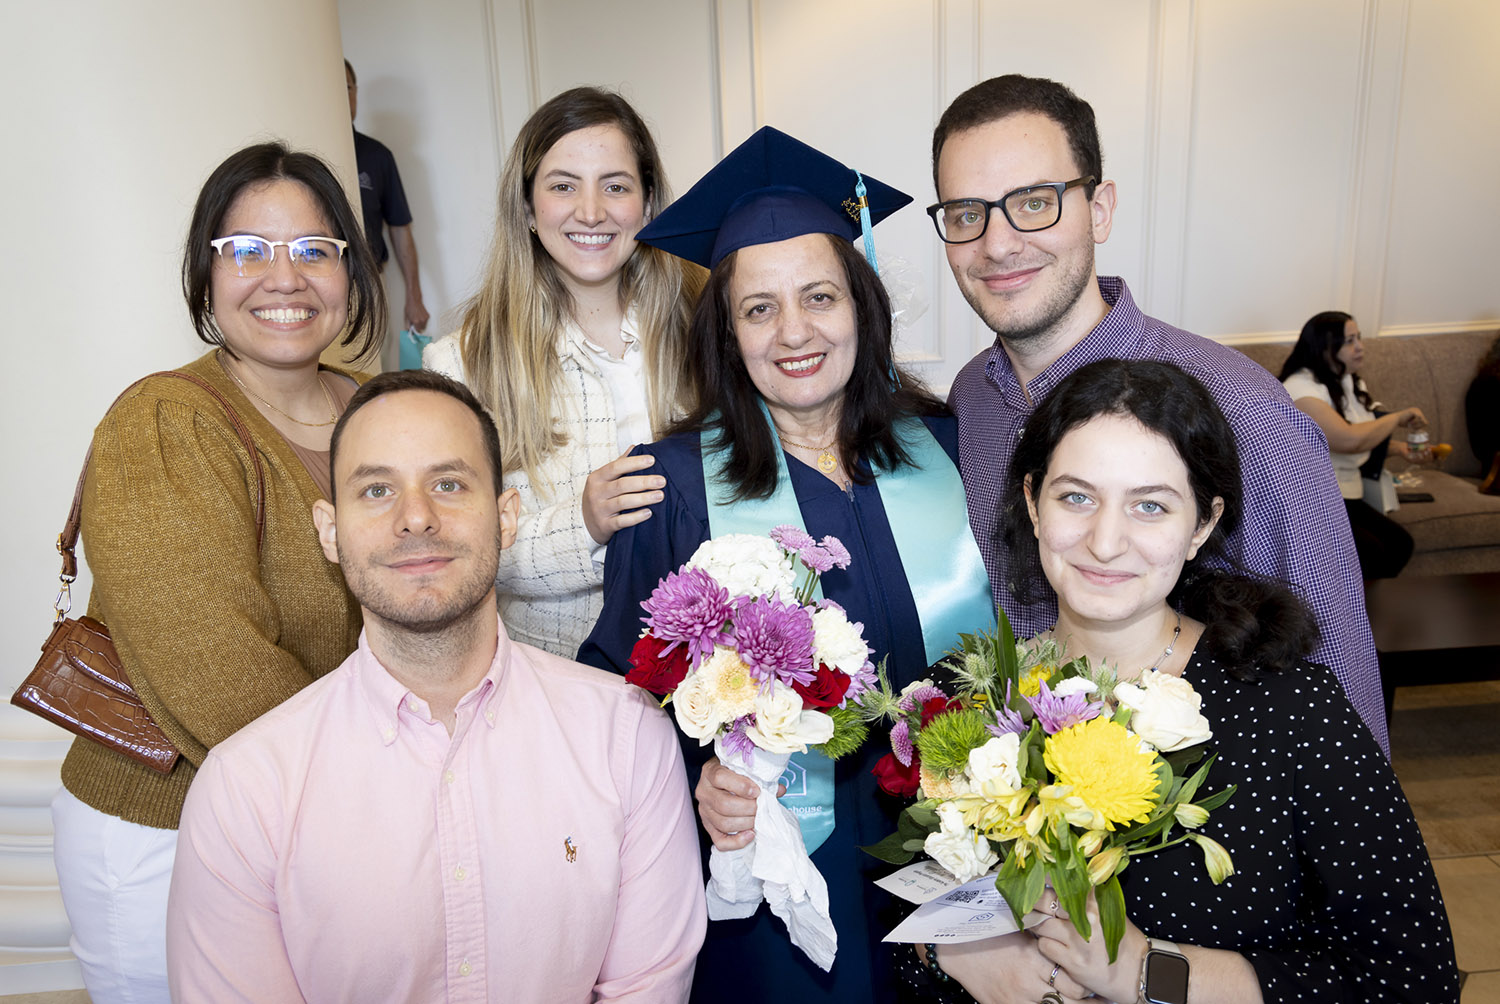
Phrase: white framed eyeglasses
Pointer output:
(251, 256)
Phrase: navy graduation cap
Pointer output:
(771, 188)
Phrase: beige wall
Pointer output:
(1274, 157)
(114, 115)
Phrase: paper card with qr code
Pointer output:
(970, 912)
(919, 881)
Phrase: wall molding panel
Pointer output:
(1373, 159)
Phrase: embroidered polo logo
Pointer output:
(570, 851)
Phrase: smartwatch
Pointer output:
(1164, 974)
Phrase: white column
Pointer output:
(114, 116)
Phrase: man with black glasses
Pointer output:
(1023, 200)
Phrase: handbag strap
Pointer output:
(68, 539)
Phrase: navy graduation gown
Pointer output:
(753, 959)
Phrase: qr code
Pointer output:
(964, 895)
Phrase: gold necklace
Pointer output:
(827, 462)
(332, 408)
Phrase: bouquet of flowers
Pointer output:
(751, 662)
(1050, 768)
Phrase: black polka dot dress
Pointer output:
(1333, 896)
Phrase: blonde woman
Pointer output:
(576, 345)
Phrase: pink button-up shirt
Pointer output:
(344, 847)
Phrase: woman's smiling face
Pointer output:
(1115, 520)
(587, 204)
(795, 324)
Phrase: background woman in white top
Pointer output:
(575, 344)
(1322, 376)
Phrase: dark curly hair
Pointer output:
(1252, 624)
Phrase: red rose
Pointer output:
(653, 671)
(896, 779)
(826, 689)
(934, 706)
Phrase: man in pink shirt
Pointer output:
(449, 815)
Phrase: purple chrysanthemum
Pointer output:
(775, 639)
(862, 681)
(792, 538)
(816, 558)
(1057, 713)
(689, 607)
(1007, 720)
(837, 551)
(736, 741)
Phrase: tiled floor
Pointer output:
(1445, 743)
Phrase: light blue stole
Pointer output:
(924, 503)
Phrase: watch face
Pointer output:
(1166, 978)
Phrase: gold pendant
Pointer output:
(827, 462)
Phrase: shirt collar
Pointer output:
(574, 341)
(384, 694)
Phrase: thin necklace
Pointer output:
(827, 462)
(332, 408)
(1176, 633)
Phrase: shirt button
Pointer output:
(459, 873)
(489, 716)
(389, 734)
(463, 968)
(448, 776)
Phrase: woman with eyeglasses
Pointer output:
(1322, 376)
(576, 344)
(218, 612)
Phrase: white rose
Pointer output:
(957, 848)
(781, 726)
(1074, 685)
(694, 705)
(996, 760)
(837, 642)
(747, 565)
(1165, 711)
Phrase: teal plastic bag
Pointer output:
(412, 344)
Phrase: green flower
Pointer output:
(946, 741)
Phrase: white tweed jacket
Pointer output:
(550, 588)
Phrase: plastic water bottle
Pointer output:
(1417, 446)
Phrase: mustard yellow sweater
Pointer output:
(211, 633)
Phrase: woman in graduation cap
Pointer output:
(804, 419)
(575, 343)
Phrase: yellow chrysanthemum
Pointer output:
(728, 683)
(1030, 683)
(1105, 767)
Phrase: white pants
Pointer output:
(114, 877)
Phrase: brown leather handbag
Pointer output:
(79, 683)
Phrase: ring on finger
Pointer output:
(1052, 980)
(1051, 997)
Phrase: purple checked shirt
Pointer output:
(1294, 526)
